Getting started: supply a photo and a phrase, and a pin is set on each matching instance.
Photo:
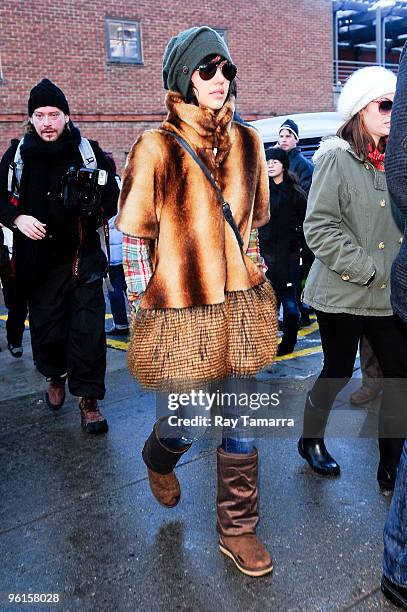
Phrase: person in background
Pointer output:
(280, 241)
(350, 227)
(117, 293)
(55, 209)
(117, 296)
(394, 580)
(372, 375)
(288, 140)
(14, 298)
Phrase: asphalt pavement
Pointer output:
(80, 530)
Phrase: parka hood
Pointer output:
(330, 143)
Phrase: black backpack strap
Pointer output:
(225, 206)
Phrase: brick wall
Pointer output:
(283, 51)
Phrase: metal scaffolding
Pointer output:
(367, 32)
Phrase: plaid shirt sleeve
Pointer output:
(137, 266)
(253, 250)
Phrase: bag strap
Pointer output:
(225, 206)
(15, 169)
(87, 153)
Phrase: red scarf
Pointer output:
(376, 158)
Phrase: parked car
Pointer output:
(312, 127)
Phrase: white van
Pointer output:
(312, 127)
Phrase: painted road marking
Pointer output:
(122, 345)
(4, 318)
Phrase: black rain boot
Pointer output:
(390, 453)
(290, 331)
(160, 462)
(311, 445)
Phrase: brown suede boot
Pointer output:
(55, 394)
(92, 421)
(238, 515)
(363, 395)
(161, 462)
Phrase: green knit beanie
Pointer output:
(184, 53)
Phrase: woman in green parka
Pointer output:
(350, 227)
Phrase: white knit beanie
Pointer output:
(362, 87)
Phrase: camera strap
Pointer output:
(227, 212)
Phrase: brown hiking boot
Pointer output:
(55, 394)
(363, 395)
(92, 421)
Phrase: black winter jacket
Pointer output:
(44, 166)
(281, 239)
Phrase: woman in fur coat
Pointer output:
(352, 231)
(205, 311)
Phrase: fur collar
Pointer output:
(199, 126)
(331, 143)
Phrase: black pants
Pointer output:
(340, 335)
(15, 300)
(67, 323)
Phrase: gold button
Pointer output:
(345, 277)
(366, 166)
(381, 245)
(383, 286)
(382, 203)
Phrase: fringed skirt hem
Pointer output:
(202, 343)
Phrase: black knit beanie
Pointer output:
(290, 125)
(279, 154)
(45, 93)
(185, 51)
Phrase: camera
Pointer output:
(81, 189)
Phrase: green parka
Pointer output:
(350, 228)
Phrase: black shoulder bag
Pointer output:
(225, 206)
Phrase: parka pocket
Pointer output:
(381, 277)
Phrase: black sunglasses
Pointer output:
(385, 106)
(208, 71)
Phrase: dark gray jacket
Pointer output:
(396, 174)
(302, 167)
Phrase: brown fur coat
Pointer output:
(207, 311)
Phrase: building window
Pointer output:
(124, 41)
(222, 33)
(1, 71)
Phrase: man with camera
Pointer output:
(56, 190)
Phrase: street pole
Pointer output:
(379, 37)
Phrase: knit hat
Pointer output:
(279, 154)
(45, 93)
(363, 86)
(185, 51)
(290, 125)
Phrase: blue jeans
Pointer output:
(238, 439)
(395, 529)
(287, 296)
(238, 444)
(117, 297)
